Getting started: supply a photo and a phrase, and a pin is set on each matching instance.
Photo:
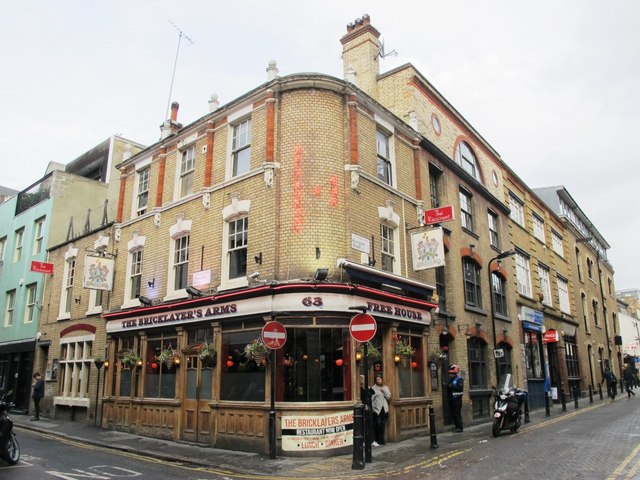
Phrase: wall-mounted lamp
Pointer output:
(358, 356)
(321, 274)
(176, 360)
(139, 363)
(77, 300)
(106, 364)
(152, 283)
(193, 291)
(396, 358)
(258, 258)
(145, 300)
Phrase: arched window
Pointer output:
(467, 160)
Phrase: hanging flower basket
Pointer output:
(207, 352)
(402, 346)
(256, 351)
(130, 360)
(167, 356)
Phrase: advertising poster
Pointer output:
(317, 432)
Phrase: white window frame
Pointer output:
(181, 229)
(517, 209)
(31, 292)
(234, 120)
(186, 170)
(383, 157)
(68, 278)
(10, 302)
(494, 233)
(38, 235)
(234, 211)
(563, 295)
(140, 167)
(143, 179)
(466, 210)
(557, 244)
(18, 244)
(467, 159)
(387, 129)
(545, 284)
(3, 247)
(76, 366)
(389, 247)
(523, 275)
(135, 245)
(538, 228)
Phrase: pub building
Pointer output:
(223, 400)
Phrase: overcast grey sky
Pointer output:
(551, 85)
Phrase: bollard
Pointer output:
(526, 410)
(547, 408)
(576, 394)
(600, 390)
(358, 439)
(590, 393)
(562, 399)
(432, 428)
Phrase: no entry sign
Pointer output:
(274, 335)
(363, 327)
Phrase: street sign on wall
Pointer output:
(438, 215)
(41, 267)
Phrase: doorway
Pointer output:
(197, 395)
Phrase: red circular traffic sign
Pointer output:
(274, 335)
(363, 327)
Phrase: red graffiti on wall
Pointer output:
(333, 195)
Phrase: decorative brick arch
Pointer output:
(466, 252)
(84, 327)
(473, 332)
(507, 340)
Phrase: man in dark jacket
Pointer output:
(627, 376)
(455, 389)
(612, 383)
(38, 393)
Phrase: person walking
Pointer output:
(38, 394)
(455, 390)
(380, 405)
(612, 383)
(627, 377)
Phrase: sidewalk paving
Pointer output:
(386, 459)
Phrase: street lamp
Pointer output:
(506, 254)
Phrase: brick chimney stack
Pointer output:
(360, 54)
(171, 126)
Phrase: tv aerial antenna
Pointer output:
(382, 54)
(181, 35)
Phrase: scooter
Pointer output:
(507, 409)
(9, 446)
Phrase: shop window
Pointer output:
(477, 351)
(160, 376)
(533, 354)
(242, 379)
(313, 366)
(125, 344)
(411, 375)
(571, 356)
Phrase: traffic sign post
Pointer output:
(363, 327)
(274, 336)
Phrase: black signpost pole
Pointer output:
(272, 408)
(368, 415)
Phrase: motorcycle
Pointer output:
(507, 409)
(9, 446)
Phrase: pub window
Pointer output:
(411, 375)
(313, 365)
(160, 377)
(242, 379)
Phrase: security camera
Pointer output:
(254, 275)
